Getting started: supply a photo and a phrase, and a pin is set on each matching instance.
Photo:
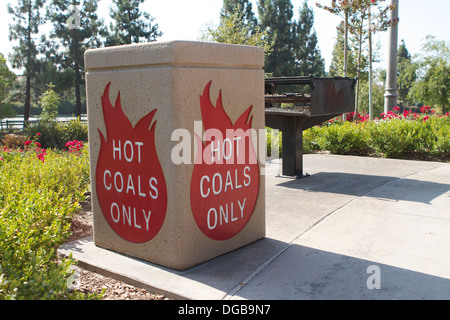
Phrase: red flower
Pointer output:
(38, 134)
(426, 118)
(37, 144)
(425, 109)
(41, 156)
(27, 142)
(74, 146)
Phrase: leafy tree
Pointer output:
(74, 31)
(433, 82)
(27, 18)
(7, 79)
(233, 29)
(364, 21)
(378, 91)
(130, 24)
(244, 7)
(337, 67)
(50, 102)
(308, 58)
(358, 13)
(275, 18)
(51, 70)
(406, 73)
(343, 9)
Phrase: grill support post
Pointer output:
(292, 143)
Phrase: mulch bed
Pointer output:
(90, 282)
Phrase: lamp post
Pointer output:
(370, 65)
(390, 96)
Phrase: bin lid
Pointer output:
(175, 53)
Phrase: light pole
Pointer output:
(390, 96)
(370, 65)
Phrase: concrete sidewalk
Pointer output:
(356, 223)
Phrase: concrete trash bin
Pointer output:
(173, 138)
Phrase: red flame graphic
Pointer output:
(225, 180)
(130, 183)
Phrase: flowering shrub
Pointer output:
(393, 135)
(56, 135)
(426, 111)
(40, 190)
(40, 153)
(75, 146)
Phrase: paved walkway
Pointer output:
(357, 228)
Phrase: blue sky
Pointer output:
(184, 20)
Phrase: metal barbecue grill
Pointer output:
(324, 99)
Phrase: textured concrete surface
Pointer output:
(356, 228)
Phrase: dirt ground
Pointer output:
(90, 282)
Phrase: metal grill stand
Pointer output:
(327, 98)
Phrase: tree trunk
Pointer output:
(344, 116)
(346, 43)
(358, 71)
(130, 36)
(76, 53)
(77, 91)
(26, 109)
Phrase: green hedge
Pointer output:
(40, 191)
(394, 138)
(55, 134)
